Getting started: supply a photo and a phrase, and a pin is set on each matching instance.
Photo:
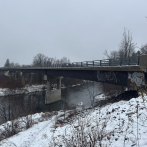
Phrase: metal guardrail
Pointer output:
(96, 63)
(108, 62)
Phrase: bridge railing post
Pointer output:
(81, 64)
(109, 62)
(100, 62)
(93, 63)
(128, 60)
(87, 63)
(138, 60)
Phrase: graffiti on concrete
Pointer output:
(106, 76)
(137, 77)
(112, 77)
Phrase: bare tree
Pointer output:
(107, 54)
(44, 61)
(111, 55)
(143, 49)
(64, 60)
(17, 65)
(126, 47)
(39, 60)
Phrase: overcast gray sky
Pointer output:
(78, 29)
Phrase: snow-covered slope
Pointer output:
(120, 124)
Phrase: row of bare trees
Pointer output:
(44, 61)
(39, 60)
(126, 48)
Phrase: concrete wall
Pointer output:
(52, 96)
(143, 62)
(137, 77)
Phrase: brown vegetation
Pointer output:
(6, 82)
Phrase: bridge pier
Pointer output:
(10, 74)
(23, 79)
(15, 75)
(52, 95)
(31, 77)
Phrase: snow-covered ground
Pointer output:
(120, 124)
(24, 90)
(100, 97)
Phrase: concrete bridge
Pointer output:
(123, 71)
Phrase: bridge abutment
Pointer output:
(52, 95)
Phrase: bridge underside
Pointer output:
(118, 78)
(111, 77)
(123, 78)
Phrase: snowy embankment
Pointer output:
(120, 124)
(24, 90)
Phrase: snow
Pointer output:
(100, 97)
(80, 103)
(118, 121)
(24, 90)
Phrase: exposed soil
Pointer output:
(127, 95)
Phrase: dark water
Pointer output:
(20, 105)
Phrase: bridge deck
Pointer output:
(105, 68)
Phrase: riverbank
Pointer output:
(119, 124)
(25, 90)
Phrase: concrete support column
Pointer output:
(9, 74)
(15, 75)
(59, 83)
(48, 85)
(52, 95)
(23, 79)
(31, 77)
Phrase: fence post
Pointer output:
(81, 64)
(93, 63)
(138, 60)
(100, 62)
(87, 63)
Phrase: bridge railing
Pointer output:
(96, 63)
(108, 62)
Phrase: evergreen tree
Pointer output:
(7, 64)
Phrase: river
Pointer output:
(20, 105)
